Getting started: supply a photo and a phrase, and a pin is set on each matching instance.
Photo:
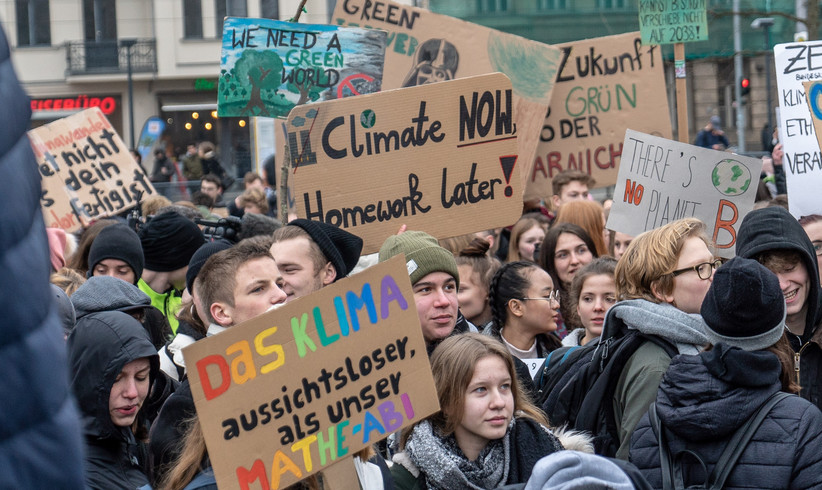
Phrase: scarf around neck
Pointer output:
(446, 467)
(686, 330)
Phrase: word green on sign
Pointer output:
(672, 21)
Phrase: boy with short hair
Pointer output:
(570, 185)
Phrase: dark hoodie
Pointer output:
(704, 399)
(99, 347)
(774, 228)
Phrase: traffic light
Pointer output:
(745, 85)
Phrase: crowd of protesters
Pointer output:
(717, 341)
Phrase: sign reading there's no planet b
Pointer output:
(440, 158)
(661, 181)
(268, 66)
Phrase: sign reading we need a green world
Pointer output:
(672, 21)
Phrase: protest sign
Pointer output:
(661, 181)
(603, 86)
(440, 158)
(269, 66)
(288, 393)
(424, 47)
(86, 171)
(797, 63)
(673, 21)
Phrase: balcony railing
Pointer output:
(106, 57)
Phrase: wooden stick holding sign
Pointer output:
(675, 22)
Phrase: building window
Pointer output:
(228, 8)
(611, 4)
(33, 26)
(100, 20)
(550, 4)
(270, 9)
(193, 19)
(491, 6)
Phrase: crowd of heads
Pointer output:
(132, 298)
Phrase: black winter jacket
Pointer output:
(100, 345)
(703, 399)
(775, 229)
(40, 441)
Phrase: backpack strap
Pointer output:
(568, 353)
(665, 460)
(739, 441)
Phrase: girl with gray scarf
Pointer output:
(486, 434)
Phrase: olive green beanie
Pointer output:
(423, 255)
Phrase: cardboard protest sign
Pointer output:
(86, 171)
(424, 47)
(603, 86)
(439, 158)
(284, 395)
(661, 181)
(796, 63)
(269, 66)
(673, 21)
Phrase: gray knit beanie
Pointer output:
(106, 293)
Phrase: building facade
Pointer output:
(74, 54)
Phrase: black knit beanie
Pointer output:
(199, 259)
(340, 247)
(169, 241)
(744, 306)
(117, 242)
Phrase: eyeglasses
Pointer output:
(554, 296)
(703, 270)
(817, 248)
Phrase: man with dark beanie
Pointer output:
(169, 240)
(116, 252)
(776, 240)
(435, 280)
(311, 255)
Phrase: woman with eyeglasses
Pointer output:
(661, 282)
(524, 310)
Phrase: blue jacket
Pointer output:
(40, 442)
(703, 399)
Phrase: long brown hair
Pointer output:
(453, 363)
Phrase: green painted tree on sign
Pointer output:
(254, 72)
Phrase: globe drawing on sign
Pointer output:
(731, 177)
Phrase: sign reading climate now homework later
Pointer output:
(440, 158)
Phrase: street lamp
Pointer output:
(129, 43)
(765, 24)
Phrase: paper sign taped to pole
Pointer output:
(86, 171)
(288, 393)
(424, 47)
(437, 158)
(662, 180)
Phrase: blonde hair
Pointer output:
(256, 197)
(453, 363)
(651, 258)
(68, 280)
(588, 215)
(153, 204)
